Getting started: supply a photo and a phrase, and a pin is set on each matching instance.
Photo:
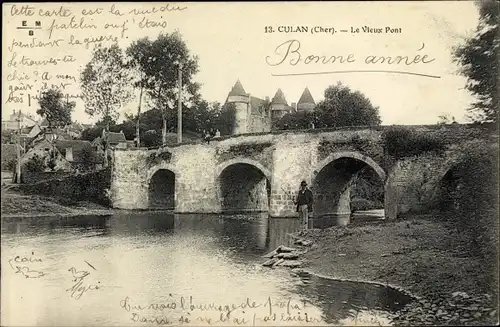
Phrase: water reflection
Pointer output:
(154, 256)
(342, 300)
(327, 221)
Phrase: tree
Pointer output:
(106, 121)
(343, 107)
(226, 118)
(92, 133)
(159, 62)
(201, 116)
(105, 85)
(479, 58)
(54, 108)
(51, 161)
(127, 127)
(296, 120)
(88, 155)
(151, 138)
(140, 61)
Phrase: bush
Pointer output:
(35, 164)
(358, 204)
(93, 186)
(296, 120)
(474, 199)
(403, 142)
(226, 119)
(151, 138)
(11, 165)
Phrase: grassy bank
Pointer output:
(19, 205)
(427, 258)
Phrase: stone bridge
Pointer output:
(262, 172)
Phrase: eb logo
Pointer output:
(24, 26)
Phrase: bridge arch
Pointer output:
(161, 181)
(243, 185)
(354, 155)
(333, 179)
(446, 181)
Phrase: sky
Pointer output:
(231, 42)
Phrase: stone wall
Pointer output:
(129, 184)
(293, 158)
(241, 117)
(196, 190)
(285, 159)
(193, 166)
(82, 187)
(260, 123)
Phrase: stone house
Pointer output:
(70, 155)
(81, 155)
(115, 141)
(45, 149)
(26, 120)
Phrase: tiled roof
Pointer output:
(279, 98)
(255, 105)
(306, 97)
(116, 137)
(237, 89)
(26, 130)
(44, 123)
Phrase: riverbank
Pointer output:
(16, 205)
(424, 257)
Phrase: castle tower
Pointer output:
(306, 101)
(279, 106)
(241, 101)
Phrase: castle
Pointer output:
(252, 116)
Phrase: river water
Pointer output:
(154, 268)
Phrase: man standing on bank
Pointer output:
(304, 204)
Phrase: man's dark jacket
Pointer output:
(305, 198)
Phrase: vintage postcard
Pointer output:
(250, 163)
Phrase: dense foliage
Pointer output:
(157, 64)
(479, 60)
(341, 107)
(54, 108)
(297, 120)
(367, 191)
(36, 164)
(470, 199)
(400, 142)
(105, 84)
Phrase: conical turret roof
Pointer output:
(237, 89)
(279, 98)
(306, 97)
